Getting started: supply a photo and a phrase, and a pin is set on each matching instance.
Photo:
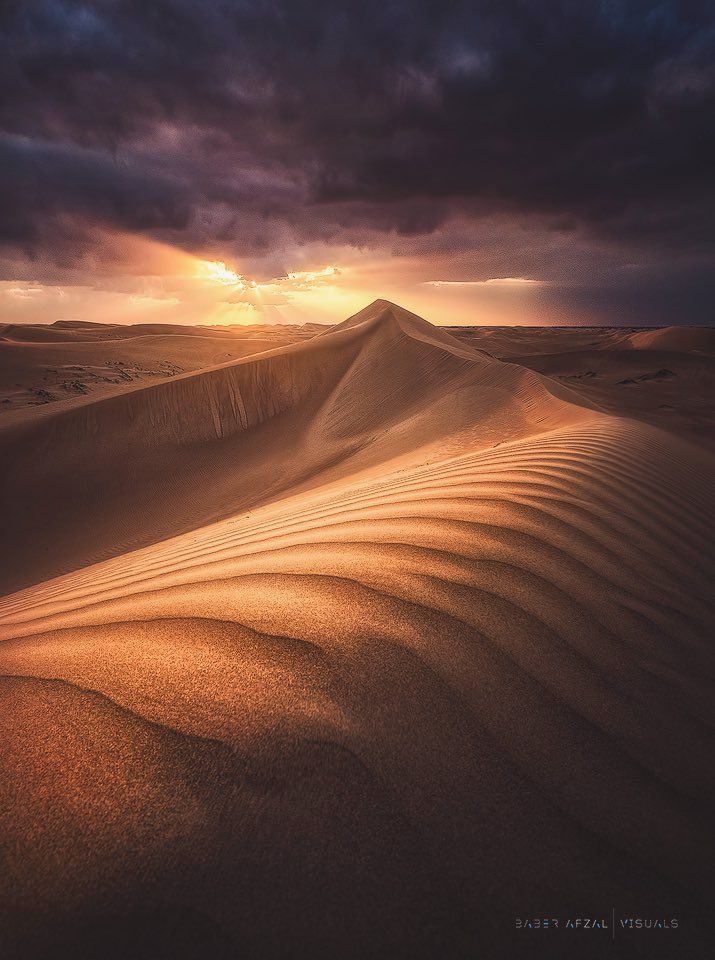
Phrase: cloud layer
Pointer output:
(565, 142)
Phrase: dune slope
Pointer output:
(457, 671)
(172, 455)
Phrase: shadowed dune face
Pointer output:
(452, 666)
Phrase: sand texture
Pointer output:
(357, 643)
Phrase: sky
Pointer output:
(485, 162)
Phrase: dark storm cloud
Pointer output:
(234, 122)
(44, 179)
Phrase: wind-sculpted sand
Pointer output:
(387, 642)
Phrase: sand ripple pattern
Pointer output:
(411, 703)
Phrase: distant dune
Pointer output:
(683, 339)
(360, 646)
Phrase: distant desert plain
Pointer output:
(356, 642)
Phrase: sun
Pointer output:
(217, 272)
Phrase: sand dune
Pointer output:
(530, 341)
(429, 648)
(683, 339)
(197, 447)
(85, 331)
(56, 365)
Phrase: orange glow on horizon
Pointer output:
(154, 282)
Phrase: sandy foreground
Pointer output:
(357, 642)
